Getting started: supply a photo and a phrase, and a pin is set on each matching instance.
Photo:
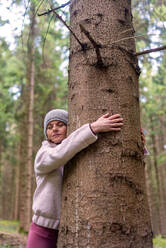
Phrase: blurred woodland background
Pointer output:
(33, 80)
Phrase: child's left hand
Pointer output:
(143, 137)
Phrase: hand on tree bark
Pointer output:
(143, 137)
(107, 123)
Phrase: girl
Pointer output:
(54, 153)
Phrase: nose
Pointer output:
(55, 127)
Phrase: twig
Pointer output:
(68, 27)
(150, 50)
(52, 10)
(127, 30)
(95, 45)
(46, 37)
(126, 38)
(38, 7)
(26, 8)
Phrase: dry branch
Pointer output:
(51, 10)
(95, 45)
(68, 27)
(150, 51)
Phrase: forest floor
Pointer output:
(8, 240)
(11, 238)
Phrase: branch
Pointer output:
(68, 27)
(150, 50)
(38, 7)
(52, 10)
(127, 38)
(95, 45)
(45, 38)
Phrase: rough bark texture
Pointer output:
(104, 201)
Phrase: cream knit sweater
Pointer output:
(49, 164)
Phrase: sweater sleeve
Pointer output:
(146, 152)
(50, 158)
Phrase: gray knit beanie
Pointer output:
(55, 115)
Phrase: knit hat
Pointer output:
(55, 115)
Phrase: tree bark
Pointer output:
(27, 149)
(17, 183)
(104, 202)
(155, 164)
(22, 167)
(162, 177)
(31, 83)
(162, 200)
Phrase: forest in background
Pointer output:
(33, 80)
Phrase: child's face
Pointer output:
(56, 131)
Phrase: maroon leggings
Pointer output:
(42, 237)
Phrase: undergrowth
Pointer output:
(10, 226)
(159, 242)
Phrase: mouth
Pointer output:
(56, 135)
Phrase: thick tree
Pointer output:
(104, 202)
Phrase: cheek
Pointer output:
(65, 132)
(48, 133)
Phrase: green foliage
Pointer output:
(161, 158)
(51, 54)
(5, 246)
(9, 226)
(159, 242)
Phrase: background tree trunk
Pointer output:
(31, 79)
(17, 185)
(104, 202)
(157, 180)
(28, 158)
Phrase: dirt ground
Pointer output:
(8, 240)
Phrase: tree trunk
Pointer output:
(149, 186)
(31, 82)
(153, 202)
(162, 200)
(27, 191)
(17, 183)
(22, 167)
(158, 197)
(104, 202)
(162, 177)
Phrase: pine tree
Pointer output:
(104, 202)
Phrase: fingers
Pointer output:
(106, 115)
(116, 124)
(143, 139)
(116, 120)
(114, 116)
(111, 117)
(107, 123)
